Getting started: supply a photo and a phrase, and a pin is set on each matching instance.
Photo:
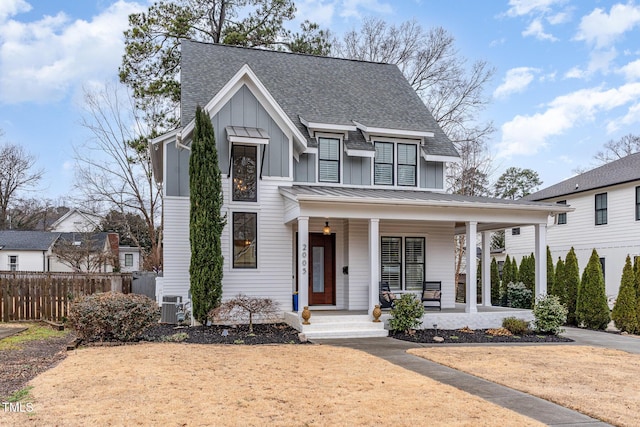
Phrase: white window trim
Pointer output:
(395, 185)
(9, 263)
(340, 160)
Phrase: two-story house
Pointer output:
(333, 176)
(606, 218)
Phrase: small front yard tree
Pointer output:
(206, 220)
(558, 287)
(506, 279)
(551, 274)
(624, 312)
(592, 309)
(495, 283)
(571, 279)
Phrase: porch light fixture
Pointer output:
(326, 230)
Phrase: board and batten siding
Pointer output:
(176, 248)
(243, 109)
(613, 241)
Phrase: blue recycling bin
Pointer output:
(295, 301)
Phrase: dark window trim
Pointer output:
(393, 163)
(602, 265)
(233, 240)
(236, 150)
(515, 231)
(401, 284)
(638, 203)
(423, 263)
(415, 166)
(562, 217)
(320, 159)
(601, 213)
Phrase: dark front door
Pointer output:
(322, 263)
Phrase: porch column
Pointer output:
(374, 263)
(303, 263)
(486, 268)
(472, 268)
(541, 259)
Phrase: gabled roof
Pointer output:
(89, 217)
(320, 89)
(623, 170)
(25, 240)
(97, 241)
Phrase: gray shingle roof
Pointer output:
(24, 240)
(327, 193)
(617, 172)
(96, 240)
(320, 89)
(356, 141)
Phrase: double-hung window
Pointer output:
(128, 260)
(13, 262)
(245, 240)
(396, 163)
(403, 270)
(383, 164)
(562, 217)
(638, 203)
(329, 160)
(601, 209)
(245, 173)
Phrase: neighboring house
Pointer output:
(333, 174)
(76, 221)
(606, 218)
(26, 250)
(129, 259)
(22, 250)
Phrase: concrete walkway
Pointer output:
(395, 351)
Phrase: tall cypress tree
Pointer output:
(506, 279)
(624, 311)
(527, 274)
(206, 220)
(559, 288)
(515, 274)
(636, 269)
(592, 309)
(572, 284)
(495, 283)
(551, 274)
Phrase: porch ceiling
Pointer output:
(364, 203)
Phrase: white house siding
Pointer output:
(359, 271)
(273, 276)
(439, 250)
(176, 248)
(27, 260)
(613, 241)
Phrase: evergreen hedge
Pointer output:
(571, 279)
(551, 274)
(592, 309)
(624, 311)
(558, 288)
(495, 283)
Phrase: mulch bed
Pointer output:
(454, 336)
(19, 366)
(278, 333)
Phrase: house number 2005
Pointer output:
(303, 255)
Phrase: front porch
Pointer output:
(359, 324)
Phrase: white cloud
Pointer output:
(559, 18)
(536, 30)
(602, 29)
(631, 71)
(351, 8)
(526, 135)
(575, 73)
(516, 80)
(525, 7)
(41, 61)
(632, 117)
(12, 7)
(317, 11)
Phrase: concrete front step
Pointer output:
(346, 333)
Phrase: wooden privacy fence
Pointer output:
(47, 296)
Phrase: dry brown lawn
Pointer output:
(197, 385)
(598, 382)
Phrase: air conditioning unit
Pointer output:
(170, 308)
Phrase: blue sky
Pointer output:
(567, 71)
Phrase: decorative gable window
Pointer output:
(388, 170)
(638, 203)
(328, 160)
(601, 209)
(245, 173)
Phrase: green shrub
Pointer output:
(558, 288)
(112, 316)
(624, 311)
(571, 280)
(519, 295)
(515, 326)
(549, 314)
(592, 309)
(495, 283)
(406, 313)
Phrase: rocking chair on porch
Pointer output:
(387, 298)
